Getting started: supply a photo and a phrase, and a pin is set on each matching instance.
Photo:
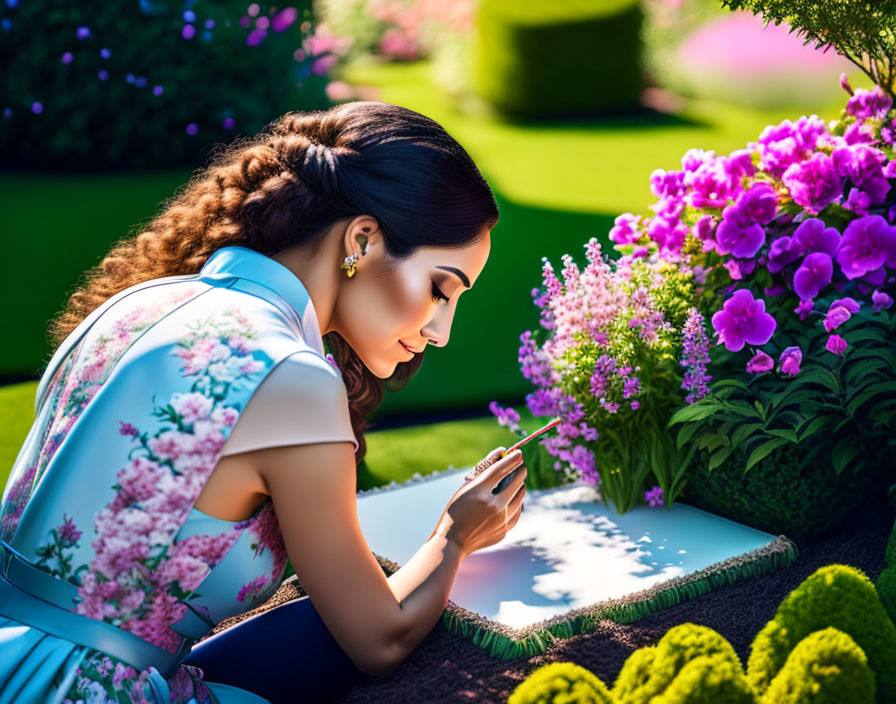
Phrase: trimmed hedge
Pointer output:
(561, 682)
(886, 582)
(838, 596)
(550, 58)
(793, 491)
(826, 667)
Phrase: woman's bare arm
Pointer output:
(378, 621)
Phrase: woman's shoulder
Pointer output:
(303, 399)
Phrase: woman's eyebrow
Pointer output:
(462, 275)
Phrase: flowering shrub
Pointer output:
(618, 344)
(794, 237)
(148, 83)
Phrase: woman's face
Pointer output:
(392, 303)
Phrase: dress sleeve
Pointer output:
(301, 400)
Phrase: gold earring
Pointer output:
(350, 264)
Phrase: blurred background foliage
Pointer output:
(566, 106)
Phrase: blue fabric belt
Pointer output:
(36, 598)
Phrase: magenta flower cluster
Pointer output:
(805, 206)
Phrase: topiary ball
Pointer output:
(650, 671)
(886, 591)
(826, 667)
(838, 596)
(713, 679)
(561, 683)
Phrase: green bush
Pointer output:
(563, 683)
(650, 672)
(792, 491)
(551, 59)
(886, 582)
(826, 667)
(838, 596)
(158, 80)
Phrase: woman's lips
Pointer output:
(407, 348)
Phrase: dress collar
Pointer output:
(246, 263)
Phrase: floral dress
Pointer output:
(131, 417)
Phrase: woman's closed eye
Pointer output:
(437, 293)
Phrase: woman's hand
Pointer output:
(476, 518)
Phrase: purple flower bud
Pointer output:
(192, 129)
(188, 32)
(228, 123)
(37, 107)
(760, 362)
(189, 16)
(68, 57)
(284, 19)
(789, 361)
(844, 83)
(83, 32)
(804, 307)
(102, 74)
(157, 90)
(881, 301)
(105, 53)
(209, 24)
(836, 317)
(835, 344)
(255, 37)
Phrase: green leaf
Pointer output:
(760, 452)
(696, 411)
(878, 390)
(822, 376)
(845, 451)
(744, 408)
(783, 433)
(724, 383)
(711, 441)
(815, 425)
(719, 456)
(743, 432)
(686, 433)
(760, 408)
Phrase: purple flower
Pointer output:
(157, 90)
(284, 19)
(695, 357)
(760, 362)
(836, 317)
(814, 183)
(127, 429)
(858, 201)
(188, 31)
(68, 57)
(835, 344)
(105, 53)
(332, 360)
(783, 251)
(625, 230)
(864, 166)
(866, 104)
(83, 32)
(255, 37)
(743, 319)
(789, 361)
(102, 74)
(813, 275)
(783, 145)
(813, 236)
(37, 107)
(507, 417)
(881, 300)
(192, 129)
(851, 304)
(741, 240)
(868, 243)
(654, 496)
(803, 308)
(229, 123)
(68, 532)
(635, 405)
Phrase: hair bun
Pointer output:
(319, 169)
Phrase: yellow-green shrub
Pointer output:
(838, 596)
(651, 671)
(561, 683)
(826, 667)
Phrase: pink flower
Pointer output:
(836, 344)
(760, 362)
(789, 361)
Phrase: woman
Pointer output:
(140, 513)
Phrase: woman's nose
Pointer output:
(439, 328)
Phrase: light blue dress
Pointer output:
(110, 573)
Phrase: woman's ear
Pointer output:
(361, 233)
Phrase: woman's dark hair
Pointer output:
(287, 185)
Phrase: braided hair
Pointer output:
(287, 185)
